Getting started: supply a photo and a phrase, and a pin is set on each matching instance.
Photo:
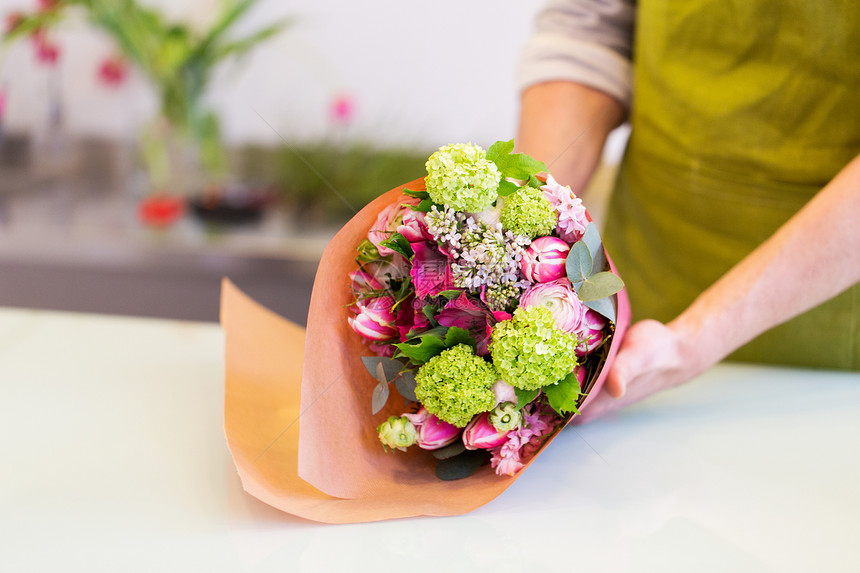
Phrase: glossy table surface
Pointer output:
(113, 458)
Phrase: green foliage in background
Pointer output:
(326, 183)
(178, 60)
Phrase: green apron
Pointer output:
(743, 110)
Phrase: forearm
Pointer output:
(810, 259)
(565, 125)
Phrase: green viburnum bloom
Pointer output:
(527, 212)
(460, 176)
(456, 385)
(529, 351)
(505, 417)
(397, 432)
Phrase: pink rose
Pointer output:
(559, 298)
(374, 318)
(433, 433)
(545, 259)
(387, 222)
(591, 333)
(480, 433)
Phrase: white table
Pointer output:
(114, 459)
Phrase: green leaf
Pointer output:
(390, 367)
(428, 347)
(461, 466)
(562, 397)
(507, 188)
(424, 206)
(499, 149)
(599, 286)
(406, 385)
(456, 335)
(379, 397)
(514, 165)
(417, 194)
(429, 311)
(607, 307)
(367, 252)
(579, 263)
(449, 294)
(398, 243)
(525, 397)
(535, 183)
(454, 449)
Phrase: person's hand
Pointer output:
(651, 359)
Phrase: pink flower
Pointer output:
(480, 433)
(545, 259)
(559, 298)
(433, 433)
(387, 222)
(387, 270)
(342, 108)
(591, 333)
(506, 460)
(466, 313)
(363, 281)
(374, 318)
(410, 318)
(413, 227)
(113, 70)
(572, 216)
(47, 51)
(431, 272)
(504, 392)
(539, 421)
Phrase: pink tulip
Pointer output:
(544, 260)
(567, 310)
(591, 333)
(374, 318)
(387, 222)
(480, 433)
(433, 433)
(363, 281)
(413, 227)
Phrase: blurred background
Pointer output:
(150, 147)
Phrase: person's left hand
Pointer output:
(651, 359)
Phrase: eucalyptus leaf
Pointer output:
(379, 397)
(449, 451)
(525, 397)
(591, 238)
(461, 466)
(578, 263)
(406, 385)
(600, 285)
(390, 367)
(607, 307)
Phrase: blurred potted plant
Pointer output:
(182, 147)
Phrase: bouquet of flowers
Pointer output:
(488, 303)
(483, 297)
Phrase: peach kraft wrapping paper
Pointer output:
(297, 407)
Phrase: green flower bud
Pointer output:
(461, 177)
(527, 212)
(397, 432)
(505, 417)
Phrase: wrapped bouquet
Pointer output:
(464, 319)
(488, 302)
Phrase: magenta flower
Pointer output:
(567, 310)
(466, 313)
(431, 271)
(545, 259)
(374, 318)
(387, 222)
(410, 318)
(362, 281)
(572, 216)
(481, 434)
(591, 333)
(433, 433)
(342, 108)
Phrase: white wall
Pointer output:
(421, 73)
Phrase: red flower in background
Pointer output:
(161, 210)
(342, 108)
(47, 51)
(113, 71)
(13, 20)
